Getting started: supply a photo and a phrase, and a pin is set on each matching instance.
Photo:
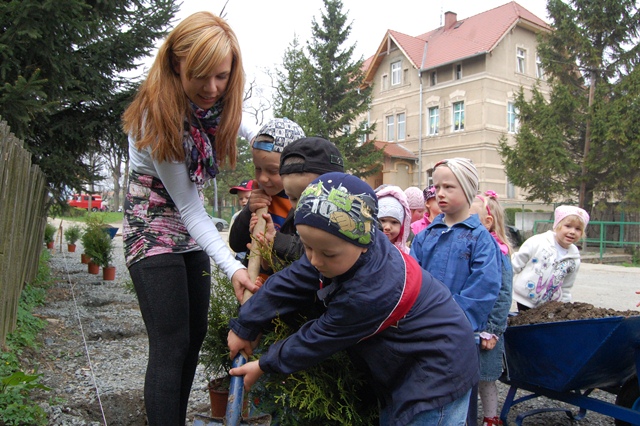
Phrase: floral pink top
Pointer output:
(152, 224)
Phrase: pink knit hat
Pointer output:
(414, 197)
(564, 211)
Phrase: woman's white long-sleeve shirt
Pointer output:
(184, 193)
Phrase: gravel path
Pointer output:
(81, 307)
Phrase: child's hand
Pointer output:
(237, 344)
(258, 200)
(488, 344)
(251, 372)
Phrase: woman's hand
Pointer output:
(242, 282)
(251, 372)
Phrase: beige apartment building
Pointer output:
(449, 93)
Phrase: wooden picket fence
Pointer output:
(22, 222)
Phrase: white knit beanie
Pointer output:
(390, 207)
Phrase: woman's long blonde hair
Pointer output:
(156, 116)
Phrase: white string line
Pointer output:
(84, 339)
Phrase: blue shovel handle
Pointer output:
(233, 415)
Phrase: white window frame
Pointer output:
(401, 120)
(457, 122)
(539, 69)
(434, 121)
(521, 60)
(396, 73)
(512, 118)
(391, 130)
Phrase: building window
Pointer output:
(402, 128)
(434, 120)
(458, 116)
(459, 72)
(396, 73)
(512, 118)
(434, 78)
(511, 189)
(346, 129)
(364, 129)
(391, 131)
(539, 70)
(520, 60)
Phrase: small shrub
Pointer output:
(72, 234)
(49, 232)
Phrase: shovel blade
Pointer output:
(263, 420)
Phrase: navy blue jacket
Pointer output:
(428, 360)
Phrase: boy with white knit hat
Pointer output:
(458, 250)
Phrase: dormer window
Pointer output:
(396, 73)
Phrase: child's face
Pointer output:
(391, 227)
(330, 255)
(295, 183)
(568, 231)
(243, 197)
(434, 209)
(267, 168)
(450, 195)
(417, 214)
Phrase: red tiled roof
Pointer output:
(393, 150)
(475, 35)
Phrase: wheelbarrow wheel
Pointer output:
(627, 397)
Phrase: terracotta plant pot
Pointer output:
(93, 268)
(218, 394)
(71, 248)
(109, 273)
(50, 245)
(84, 258)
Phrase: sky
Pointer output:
(265, 28)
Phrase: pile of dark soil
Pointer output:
(558, 311)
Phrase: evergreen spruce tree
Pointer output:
(61, 63)
(290, 91)
(323, 91)
(582, 144)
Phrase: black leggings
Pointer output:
(173, 293)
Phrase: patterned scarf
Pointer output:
(199, 142)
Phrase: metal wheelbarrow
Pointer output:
(567, 360)
(233, 415)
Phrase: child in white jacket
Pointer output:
(546, 265)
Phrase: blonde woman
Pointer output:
(182, 124)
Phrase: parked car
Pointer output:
(221, 224)
(81, 201)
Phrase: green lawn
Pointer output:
(107, 217)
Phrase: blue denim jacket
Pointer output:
(466, 259)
